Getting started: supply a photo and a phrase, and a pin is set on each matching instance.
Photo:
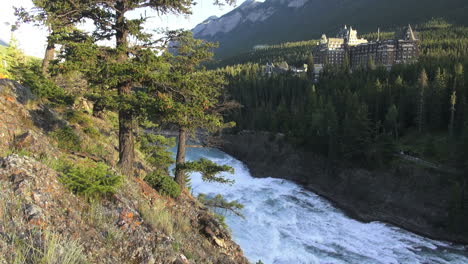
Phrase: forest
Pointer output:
(368, 115)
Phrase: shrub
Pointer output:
(92, 132)
(90, 179)
(164, 184)
(30, 75)
(77, 117)
(67, 138)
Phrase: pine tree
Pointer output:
(58, 16)
(123, 67)
(310, 67)
(196, 93)
(378, 100)
(12, 58)
(422, 86)
(391, 120)
(453, 102)
(437, 101)
(371, 64)
(331, 126)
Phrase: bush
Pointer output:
(90, 179)
(82, 119)
(67, 138)
(164, 184)
(76, 117)
(30, 75)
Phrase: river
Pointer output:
(286, 224)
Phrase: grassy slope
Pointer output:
(135, 225)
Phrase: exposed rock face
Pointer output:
(17, 123)
(414, 198)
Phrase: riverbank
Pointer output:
(414, 198)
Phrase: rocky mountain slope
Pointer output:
(42, 221)
(277, 21)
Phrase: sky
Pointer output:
(32, 39)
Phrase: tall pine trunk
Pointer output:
(180, 160)
(126, 122)
(453, 101)
(48, 56)
(126, 137)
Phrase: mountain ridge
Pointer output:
(276, 21)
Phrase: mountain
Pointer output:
(276, 21)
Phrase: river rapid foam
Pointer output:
(286, 224)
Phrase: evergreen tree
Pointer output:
(391, 120)
(331, 120)
(59, 18)
(378, 100)
(125, 66)
(422, 86)
(310, 67)
(437, 99)
(453, 102)
(196, 94)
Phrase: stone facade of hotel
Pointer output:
(359, 52)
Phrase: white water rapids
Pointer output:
(286, 224)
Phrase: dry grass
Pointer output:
(21, 245)
(46, 247)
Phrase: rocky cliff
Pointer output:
(42, 221)
(412, 197)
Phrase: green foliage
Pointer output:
(208, 170)
(89, 178)
(77, 117)
(295, 53)
(197, 94)
(218, 202)
(156, 149)
(30, 76)
(67, 138)
(163, 183)
(82, 119)
(27, 71)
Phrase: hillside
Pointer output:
(277, 21)
(62, 201)
(438, 39)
